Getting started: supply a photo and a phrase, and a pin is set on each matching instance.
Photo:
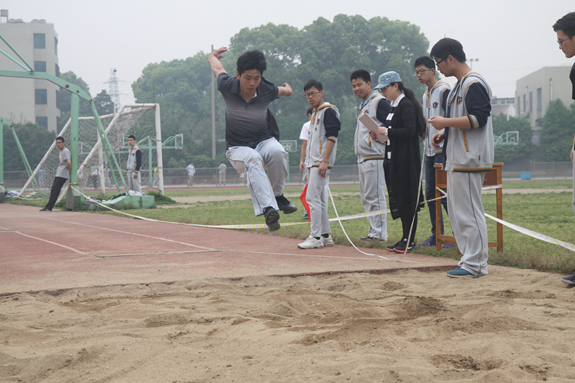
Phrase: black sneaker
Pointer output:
(391, 247)
(284, 205)
(44, 209)
(569, 279)
(272, 218)
(403, 247)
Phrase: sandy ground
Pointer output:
(510, 326)
(191, 200)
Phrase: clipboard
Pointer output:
(372, 126)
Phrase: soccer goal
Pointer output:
(94, 171)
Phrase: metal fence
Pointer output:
(339, 174)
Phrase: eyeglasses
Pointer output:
(421, 72)
(381, 90)
(439, 62)
(560, 41)
(311, 94)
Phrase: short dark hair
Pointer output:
(310, 110)
(132, 136)
(566, 24)
(360, 73)
(251, 60)
(60, 138)
(425, 61)
(446, 47)
(311, 84)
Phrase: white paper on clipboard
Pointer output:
(372, 126)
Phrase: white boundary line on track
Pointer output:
(44, 240)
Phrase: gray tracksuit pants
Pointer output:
(468, 219)
(317, 200)
(270, 155)
(134, 183)
(372, 193)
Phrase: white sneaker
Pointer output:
(311, 243)
(327, 241)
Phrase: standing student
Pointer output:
(402, 161)
(303, 137)
(222, 174)
(565, 29)
(191, 172)
(319, 159)
(467, 136)
(62, 173)
(133, 176)
(434, 102)
(252, 134)
(370, 154)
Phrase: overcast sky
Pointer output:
(511, 38)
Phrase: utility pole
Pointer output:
(213, 112)
(114, 90)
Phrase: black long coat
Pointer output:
(402, 170)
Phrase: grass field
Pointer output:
(546, 213)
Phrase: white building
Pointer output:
(23, 100)
(504, 105)
(535, 91)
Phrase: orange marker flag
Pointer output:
(304, 202)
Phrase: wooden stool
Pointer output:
(492, 178)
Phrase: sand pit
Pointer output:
(511, 326)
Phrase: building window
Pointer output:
(56, 46)
(39, 41)
(518, 104)
(539, 99)
(531, 101)
(42, 121)
(40, 66)
(57, 70)
(41, 97)
(525, 102)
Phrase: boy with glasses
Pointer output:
(467, 133)
(434, 101)
(565, 29)
(320, 157)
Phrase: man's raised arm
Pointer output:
(214, 60)
(285, 90)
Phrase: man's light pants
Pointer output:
(270, 155)
(316, 198)
(468, 219)
(134, 183)
(372, 193)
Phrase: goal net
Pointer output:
(96, 171)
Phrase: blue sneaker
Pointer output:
(305, 217)
(429, 242)
(284, 205)
(459, 273)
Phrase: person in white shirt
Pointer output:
(191, 173)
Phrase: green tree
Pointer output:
(35, 141)
(557, 131)
(327, 51)
(104, 103)
(65, 103)
(509, 153)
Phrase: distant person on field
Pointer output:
(252, 133)
(467, 134)
(370, 154)
(134, 163)
(62, 174)
(434, 104)
(41, 178)
(303, 137)
(156, 177)
(565, 28)
(319, 159)
(222, 174)
(191, 173)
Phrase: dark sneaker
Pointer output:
(391, 247)
(371, 239)
(448, 246)
(569, 279)
(429, 242)
(460, 273)
(272, 218)
(305, 217)
(44, 209)
(284, 205)
(403, 247)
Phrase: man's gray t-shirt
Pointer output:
(246, 123)
(63, 166)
